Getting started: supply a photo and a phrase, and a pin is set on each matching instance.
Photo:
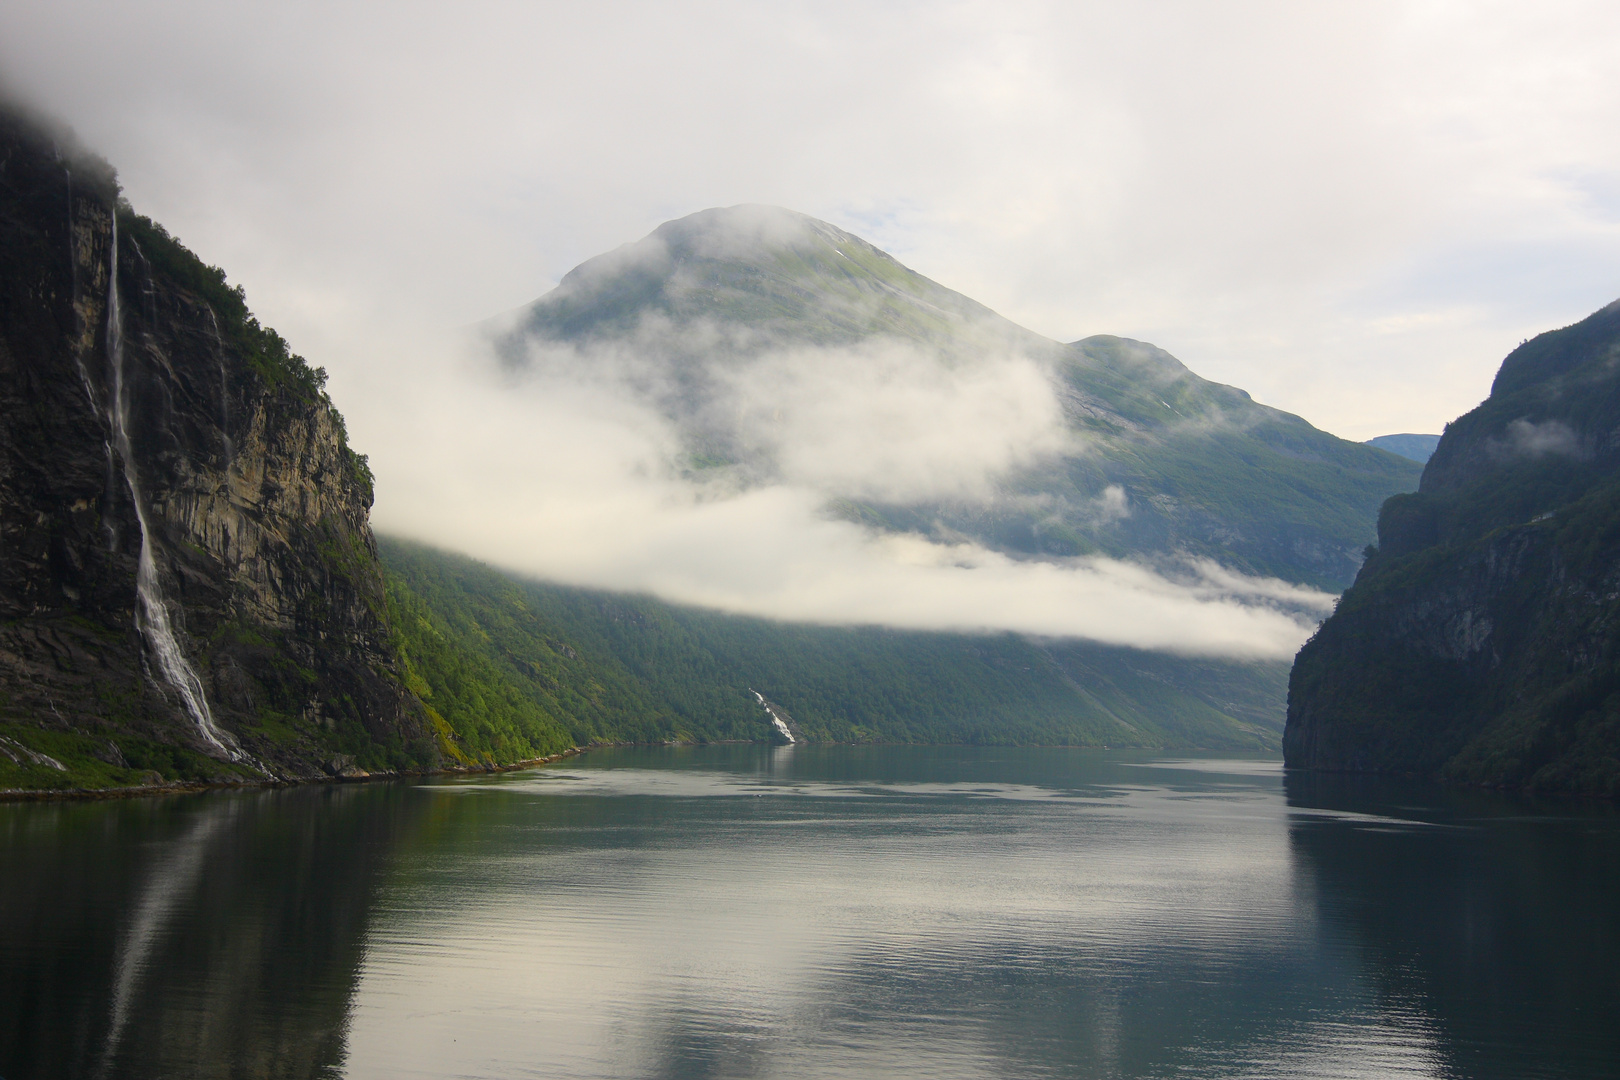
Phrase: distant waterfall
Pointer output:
(776, 721)
(152, 615)
(224, 389)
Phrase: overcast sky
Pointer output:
(1352, 211)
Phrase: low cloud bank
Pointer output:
(571, 474)
(885, 419)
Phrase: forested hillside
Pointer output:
(520, 669)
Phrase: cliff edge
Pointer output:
(1480, 642)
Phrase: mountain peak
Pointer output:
(747, 231)
(780, 273)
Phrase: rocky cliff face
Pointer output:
(1481, 640)
(188, 581)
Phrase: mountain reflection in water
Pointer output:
(815, 911)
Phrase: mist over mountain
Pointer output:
(196, 596)
(785, 350)
(749, 411)
(532, 666)
(754, 411)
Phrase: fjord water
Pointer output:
(744, 911)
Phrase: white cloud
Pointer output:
(1352, 211)
(1540, 439)
(566, 475)
(888, 421)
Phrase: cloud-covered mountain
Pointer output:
(753, 411)
(786, 351)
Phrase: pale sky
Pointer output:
(1352, 211)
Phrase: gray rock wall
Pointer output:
(183, 411)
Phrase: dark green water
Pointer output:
(815, 912)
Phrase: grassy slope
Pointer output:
(520, 669)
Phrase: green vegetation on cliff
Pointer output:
(266, 352)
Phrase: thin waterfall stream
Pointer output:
(152, 615)
(224, 390)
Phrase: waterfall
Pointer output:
(224, 388)
(152, 612)
(776, 721)
(78, 316)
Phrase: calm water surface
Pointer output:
(816, 912)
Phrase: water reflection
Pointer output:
(814, 911)
(866, 913)
(169, 883)
(1496, 918)
(212, 935)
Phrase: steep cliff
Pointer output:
(1481, 640)
(188, 580)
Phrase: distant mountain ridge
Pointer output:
(1418, 448)
(1183, 465)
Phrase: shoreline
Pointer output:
(186, 787)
